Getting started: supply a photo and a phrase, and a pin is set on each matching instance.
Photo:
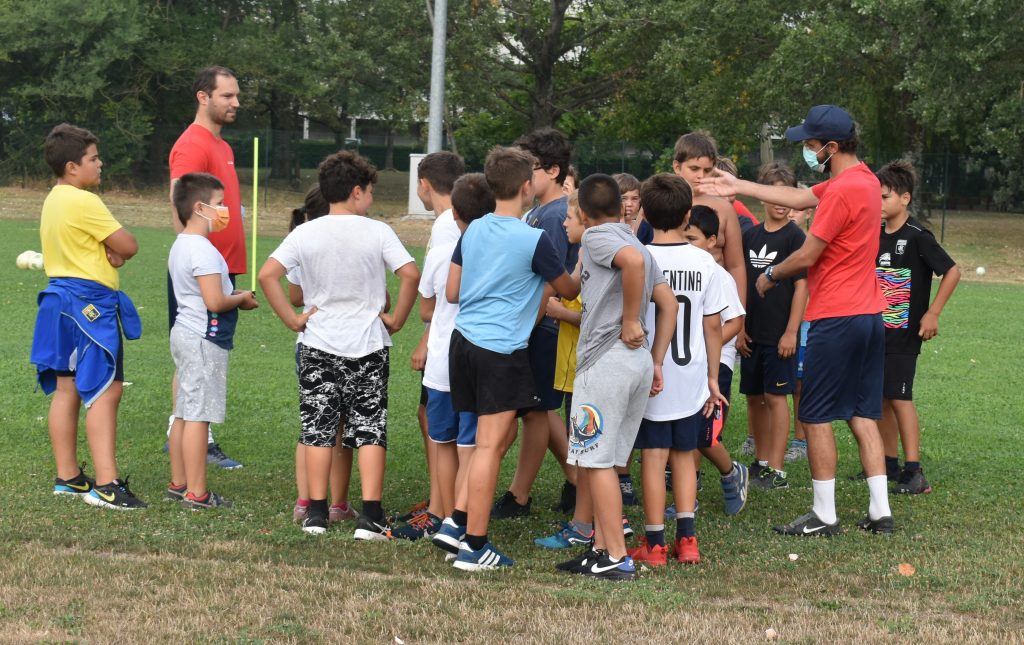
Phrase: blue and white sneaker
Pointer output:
(627, 530)
(606, 569)
(81, 484)
(565, 538)
(670, 510)
(216, 457)
(483, 559)
(449, 536)
(734, 489)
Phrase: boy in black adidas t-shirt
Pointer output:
(768, 343)
(908, 255)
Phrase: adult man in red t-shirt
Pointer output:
(846, 342)
(200, 149)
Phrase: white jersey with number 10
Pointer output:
(692, 276)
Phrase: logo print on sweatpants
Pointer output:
(587, 426)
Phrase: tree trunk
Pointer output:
(389, 151)
(282, 124)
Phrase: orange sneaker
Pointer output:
(656, 556)
(686, 550)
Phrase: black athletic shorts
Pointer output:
(486, 382)
(898, 382)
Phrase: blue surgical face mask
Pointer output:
(811, 158)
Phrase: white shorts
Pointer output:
(608, 403)
(202, 377)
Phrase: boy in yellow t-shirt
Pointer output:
(78, 350)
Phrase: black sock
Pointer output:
(373, 510)
(892, 464)
(912, 466)
(685, 527)
(317, 507)
(476, 542)
(460, 518)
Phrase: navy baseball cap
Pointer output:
(824, 123)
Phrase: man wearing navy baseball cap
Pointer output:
(846, 341)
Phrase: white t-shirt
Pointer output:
(443, 231)
(691, 273)
(733, 309)
(432, 285)
(190, 257)
(343, 261)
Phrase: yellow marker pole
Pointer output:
(255, 205)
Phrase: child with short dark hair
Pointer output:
(908, 255)
(497, 276)
(78, 347)
(768, 369)
(202, 336)
(674, 422)
(343, 362)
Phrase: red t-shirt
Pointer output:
(741, 209)
(197, 150)
(843, 282)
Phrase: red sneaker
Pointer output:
(656, 556)
(686, 550)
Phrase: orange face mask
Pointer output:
(220, 222)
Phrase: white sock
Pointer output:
(762, 462)
(825, 500)
(209, 434)
(878, 489)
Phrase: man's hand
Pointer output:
(716, 398)
(248, 300)
(743, 343)
(632, 334)
(298, 323)
(658, 384)
(929, 326)
(718, 183)
(787, 344)
(763, 285)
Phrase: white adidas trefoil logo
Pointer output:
(763, 258)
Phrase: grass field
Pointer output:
(73, 573)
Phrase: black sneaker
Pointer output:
(604, 568)
(116, 494)
(754, 469)
(769, 479)
(910, 482)
(507, 507)
(567, 500)
(175, 493)
(215, 456)
(808, 525)
(211, 500)
(628, 495)
(884, 525)
(891, 475)
(367, 529)
(577, 564)
(314, 524)
(77, 486)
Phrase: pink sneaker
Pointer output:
(338, 513)
(299, 512)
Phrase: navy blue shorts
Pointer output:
(445, 425)
(543, 349)
(844, 369)
(900, 370)
(680, 434)
(765, 373)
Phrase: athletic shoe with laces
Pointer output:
(891, 475)
(483, 559)
(338, 513)
(734, 489)
(770, 479)
(367, 529)
(808, 525)
(175, 493)
(314, 524)
(423, 525)
(507, 507)
(627, 530)
(577, 564)
(628, 494)
(567, 499)
(748, 446)
(77, 486)
(885, 525)
(210, 500)
(912, 482)
(670, 510)
(116, 494)
(605, 568)
(656, 556)
(797, 450)
(449, 536)
(299, 512)
(754, 469)
(700, 480)
(416, 509)
(685, 550)
(565, 538)
(216, 457)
